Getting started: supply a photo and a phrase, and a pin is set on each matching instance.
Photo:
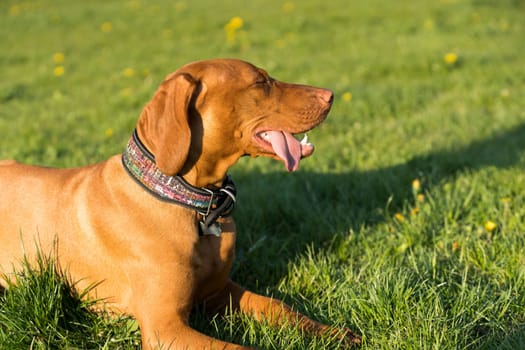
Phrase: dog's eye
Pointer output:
(264, 82)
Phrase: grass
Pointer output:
(432, 91)
(44, 310)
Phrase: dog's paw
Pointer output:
(347, 338)
(351, 337)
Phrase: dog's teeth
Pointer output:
(264, 135)
(304, 141)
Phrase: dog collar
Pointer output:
(211, 204)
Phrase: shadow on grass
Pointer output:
(512, 341)
(281, 214)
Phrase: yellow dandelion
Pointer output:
(428, 24)
(234, 23)
(420, 197)
(347, 96)
(106, 27)
(455, 246)
(505, 200)
(403, 247)
(109, 132)
(58, 57)
(450, 58)
(59, 71)
(414, 211)
(399, 217)
(15, 10)
(416, 185)
(128, 72)
(490, 226)
(231, 28)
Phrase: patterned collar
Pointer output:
(211, 204)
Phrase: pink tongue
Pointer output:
(287, 148)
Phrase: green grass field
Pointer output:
(407, 224)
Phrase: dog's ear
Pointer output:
(163, 124)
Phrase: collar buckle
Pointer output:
(210, 203)
(225, 206)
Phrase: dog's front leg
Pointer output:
(274, 311)
(163, 312)
(181, 336)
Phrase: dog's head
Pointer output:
(207, 114)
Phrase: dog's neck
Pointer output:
(210, 204)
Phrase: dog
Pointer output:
(151, 228)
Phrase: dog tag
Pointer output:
(214, 229)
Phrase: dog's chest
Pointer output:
(213, 260)
(214, 254)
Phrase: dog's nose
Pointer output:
(326, 95)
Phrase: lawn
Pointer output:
(407, 224)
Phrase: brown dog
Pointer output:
(152, 226)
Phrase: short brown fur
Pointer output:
(146, 254)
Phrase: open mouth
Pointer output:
(285, 146)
